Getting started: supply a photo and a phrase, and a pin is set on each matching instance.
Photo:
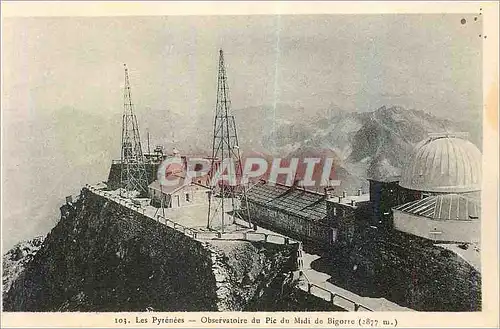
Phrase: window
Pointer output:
(187, 197)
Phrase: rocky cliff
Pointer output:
(104, 257)
(16, 259)
(407, 270)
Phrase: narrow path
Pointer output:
(341, 297)
(325, 290)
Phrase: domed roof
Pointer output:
(444, 207)
(443, 163)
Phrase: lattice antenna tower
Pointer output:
(225, 147)
(133, 173)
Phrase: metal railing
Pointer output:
(193, 233)
(335, 298)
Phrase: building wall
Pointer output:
(337, 211)
(289, 224)
(343, 218)
(451, 230)
(384, 196)
(189, 195)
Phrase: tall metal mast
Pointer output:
(225, 147)
(149, 150)
(133, 173)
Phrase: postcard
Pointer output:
(242, 164)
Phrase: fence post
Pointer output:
(265, 237)
(309, 286)
(287, 240)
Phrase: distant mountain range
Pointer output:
(364, 144)
(57, 154)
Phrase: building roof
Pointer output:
(444, 207)
(443, 163)
(166, 189)
(292, 200)
(348, 200)
(385, 179)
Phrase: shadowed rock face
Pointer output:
(14, 261)
(102, 257)
(407, 270)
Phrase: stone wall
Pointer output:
(290, 225)
(437, 229)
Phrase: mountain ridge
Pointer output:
(367, 144)
(363, 143)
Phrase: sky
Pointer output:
(63, 77)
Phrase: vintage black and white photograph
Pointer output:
(256, 163)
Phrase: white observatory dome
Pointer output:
(444, 164)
